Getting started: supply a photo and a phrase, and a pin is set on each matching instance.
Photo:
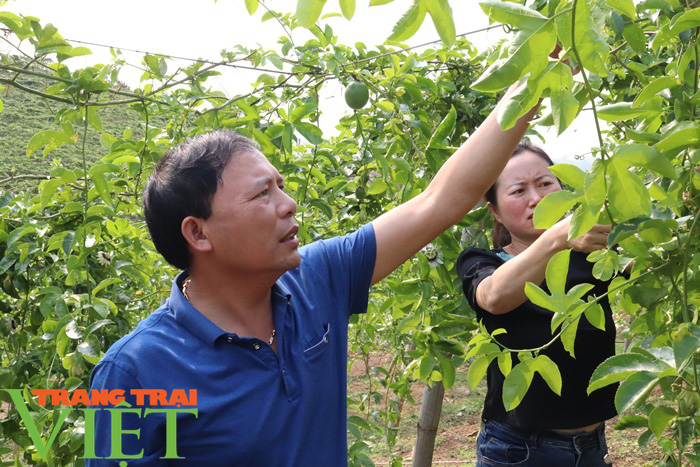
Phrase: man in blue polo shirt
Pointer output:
(257, 326)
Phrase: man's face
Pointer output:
(252, 228)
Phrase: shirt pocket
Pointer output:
(318, 344)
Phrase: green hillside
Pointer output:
(25, 114)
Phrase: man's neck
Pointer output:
(234, 302)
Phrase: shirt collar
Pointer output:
(194, 321)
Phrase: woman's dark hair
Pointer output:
(183, 184)
(501, 236)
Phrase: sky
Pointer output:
(201, 28)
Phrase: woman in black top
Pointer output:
(544, 429)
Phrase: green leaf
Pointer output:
(624, 7)
(688, 20)
(568, 336)
(102, 187)
(97, 325)
(549, 372)
(287, 133)
(505, 362)
(604, 267)
(67, 243)
(447, 370)
(636, 39)
(104, 284)
(570, 174)
(653, 88)
(310, 132)
(590, 37)
(514, 14)
(378, 186)
(619, 367)
(540, 298)
(624, 111)
(348, 8)
(557, 270)
(386, 106)
(409, 23)
(641, 155)
(49, 189)
(516, 384)
(295, 115)
(527, 53)
(634, 389)
(517, 104)
(564, 108)
(427, 363)
(441, 13)
(251, 6)
(553, 207)
(628, 196)
(594, 187)
(686, 345)
(659, 419)
(322, 206)
(444, 129)
(596, 316)
(578, 291)
(631, 421)
(308, 11)
(686, 136)
(51, 137)
(477, 370)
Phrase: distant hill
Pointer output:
(26, 114)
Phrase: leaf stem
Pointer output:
(585, 78)
(85, 170)
(697, 69)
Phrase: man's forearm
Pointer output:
(466, 176)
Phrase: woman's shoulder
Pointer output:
(471, 256)
(474, 252)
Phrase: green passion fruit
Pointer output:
(356, 95)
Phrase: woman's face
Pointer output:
(525, 180)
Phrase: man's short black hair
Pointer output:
(183, 184)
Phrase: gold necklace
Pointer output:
(187, 283)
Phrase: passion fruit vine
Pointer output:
(356, 95)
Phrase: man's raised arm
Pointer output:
(457, 187)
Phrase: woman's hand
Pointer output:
(594, 239)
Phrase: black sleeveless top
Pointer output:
(528, 326)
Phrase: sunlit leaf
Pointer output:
(516, 384)
(549, 372)
(553, 207)
(619, 367)
(629, 197)
(634, 389)
(308, 11)
(409, 23)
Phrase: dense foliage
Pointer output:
(78, 269)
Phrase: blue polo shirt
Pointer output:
(255, 407)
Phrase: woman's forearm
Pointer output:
(504, 290)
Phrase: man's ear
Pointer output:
(193, 231)
(494, 212)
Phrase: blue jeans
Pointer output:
(503, 444)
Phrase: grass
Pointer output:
(25, 114)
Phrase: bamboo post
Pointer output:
(428, 421)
